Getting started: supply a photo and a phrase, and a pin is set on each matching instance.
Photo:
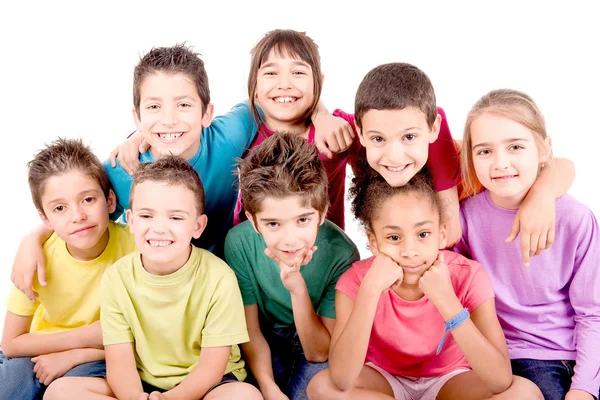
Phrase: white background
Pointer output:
(66, 69)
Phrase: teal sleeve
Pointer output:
(239, 125)
(234, 256)
(327, 304)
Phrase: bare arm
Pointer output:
(536, 217)
(351, 334)
(312, 330)
(482, 342)
(121, 371)
(208, 372)
(29, 260)
(451, 214)
(258, 355)
(18, 342)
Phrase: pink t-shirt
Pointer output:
(442, 163)
(406, 334)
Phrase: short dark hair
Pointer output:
(369, 191)
(172, 170)
(395, 86)
(293, 43)
(176, 59)
(283, 165)
(59, 157)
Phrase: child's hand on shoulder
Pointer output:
(290, 275)
(575, 394)
(384, 273)
(534, 223)
(332, 134)
(437, 286)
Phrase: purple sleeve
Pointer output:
(584, 293)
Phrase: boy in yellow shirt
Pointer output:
(59, 334)
(172, 313)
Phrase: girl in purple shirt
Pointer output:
(550, 310)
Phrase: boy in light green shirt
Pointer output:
(171, 314)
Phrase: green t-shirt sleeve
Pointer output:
(115, 329)
(327, 304)
(239, 263)
(225, 323)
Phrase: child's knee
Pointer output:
(321, 387)
(524, 389)
(58, 390)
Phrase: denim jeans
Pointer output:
(18, 381)
(553, 377)
(291, 370)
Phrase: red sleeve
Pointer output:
(443, 163)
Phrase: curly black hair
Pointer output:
(369, 191)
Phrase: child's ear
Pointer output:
(546, 151)
(130, 220)
(435, 129)
(443, 237)
(136, 120)
(201, 223)
(208, 115)
(372, 243)
(361, 139)
(111, 201)
(251, 219)
(45, 220)
(323, 215)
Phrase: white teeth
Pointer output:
(159, 243)
(396, 169)
(169, 136)
(285, 99)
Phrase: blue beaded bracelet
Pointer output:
(453, 323)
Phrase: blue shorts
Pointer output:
(18, 381)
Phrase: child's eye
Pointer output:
(299, 73)
(424, 235)
(152, 107)
(377, 139)
(484, 152)
(270, 73)
(88, 199)
(410, 137)
(303, 221)
(273, 225)
(145, 216)
(394, 238)
(177, 218)
(59, 209)
(185, 105)
(516, 147)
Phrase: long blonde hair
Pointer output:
(508, 103)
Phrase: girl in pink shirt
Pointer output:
(394, 310)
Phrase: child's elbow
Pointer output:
(502, 383)
(317, 357)
(8, 349)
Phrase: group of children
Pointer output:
(243, 285)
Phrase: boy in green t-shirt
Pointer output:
(171, 313)
(287, 285)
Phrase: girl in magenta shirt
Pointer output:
(394, 310)
(285, 82)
